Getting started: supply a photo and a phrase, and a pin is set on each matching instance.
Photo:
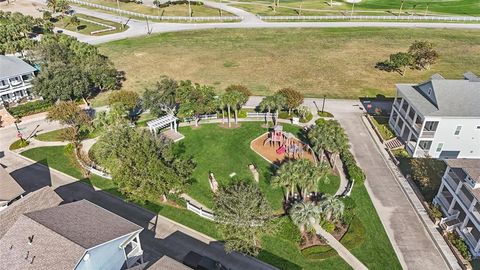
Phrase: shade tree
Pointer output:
(163, 98)
(423, 53)
(195, 100)
(293, 98)
(75, 118)
(243, 215)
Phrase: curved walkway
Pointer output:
(139, 28)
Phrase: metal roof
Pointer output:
(11, 66)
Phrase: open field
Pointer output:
(365, 7)
(339, 63)
(86, 27)
(172, 10)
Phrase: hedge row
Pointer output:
(353, 171)
(29, 108)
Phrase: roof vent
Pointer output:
(86, 257)
(30, 239)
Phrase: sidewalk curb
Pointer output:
(411, 202)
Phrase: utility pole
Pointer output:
(19, 134)
(353, 6)
(401, 7)
(426, 10)
(323, 105)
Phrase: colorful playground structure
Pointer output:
(286, 142)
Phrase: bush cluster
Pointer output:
(307, 118)
(353, 171)
(460, 244)
(29, 108)
(179, 2)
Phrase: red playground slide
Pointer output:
(281, 150)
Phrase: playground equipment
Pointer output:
(287, 143)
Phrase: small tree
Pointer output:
(305, 215)
(127, 99)
(74, 21)
(239, 88)
(293, 98)
(400, 62)
(278, 102)
(195, 99)
(423, 54)
(162, 99)
(68, 113)
(243, 215)
(47, 15)
(427, 172)
(332, 207)
(267, 104)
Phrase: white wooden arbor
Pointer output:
(162, 122)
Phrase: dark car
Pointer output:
(199, 262)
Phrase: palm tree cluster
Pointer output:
(328, 135)
(234, 98)
(301, 176)
(306, 214)
(273, 103)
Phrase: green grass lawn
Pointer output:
(365, 7)
(227, 150)
(55, 135)
(86, 27)
(337, 62)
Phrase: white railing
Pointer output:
(260, 115)
(154, 17)
(208, 116)
(199, 211)
(376, 18)
(107, 27)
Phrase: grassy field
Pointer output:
(339, 63)
(365, 7)
(172, 10)
(86, 27)
(226, 151)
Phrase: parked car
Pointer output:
(199, 262)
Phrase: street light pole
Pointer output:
(323, 105)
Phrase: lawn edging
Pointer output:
(449, 258)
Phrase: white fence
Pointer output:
(199, 211)
(154, 17)
(260, 115)
(107, 27)
(374, 18)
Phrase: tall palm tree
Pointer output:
(310, 175)
(238, 101)
(287, 176)
(221, 105)
(278, 102)
(229, 101)
(320, 137)
(339, 142)
(332, 207)
(267, 104)
(53, 5)
(304, 215)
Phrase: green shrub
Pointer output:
(29, 108)
(319, 252)
(320, 121)
(284, 115)
(241, 114)
(436, 212)
(285, 229)
(327, 226)
(353, 171)
(324, 114)
(460, 244)
(19, 144)
(307, 118)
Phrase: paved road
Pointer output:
(160, 237)
(139, 28)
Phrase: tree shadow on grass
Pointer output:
(276, 261)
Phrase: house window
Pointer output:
(429, 91)
(439, 147)
(457, 130)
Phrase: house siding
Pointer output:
(108, 256)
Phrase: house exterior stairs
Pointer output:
(394, 143)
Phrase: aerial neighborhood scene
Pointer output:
(239, 134)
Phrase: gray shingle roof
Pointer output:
(167, 263)
(11, 66)
(9, 188)
(469, 166)
(37, 200)
(84, 223)
(450, 98)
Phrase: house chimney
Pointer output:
(30, 239)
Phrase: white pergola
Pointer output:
(162, 122)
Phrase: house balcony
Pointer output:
(451, 222)
(427, 134)
(445, 199)
(452, 180)
(471, 241)
(466, 202)
(422, 152)
(134, 256)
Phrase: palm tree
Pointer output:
(74, 21)
(229, 99)
(304, 215)
(310, 175)
(339, 142)
(278, 102)
(332, 207)
(238, 100)
(221, 105)
(320, 137)
(267, 104)
(287, 176)
(53, 5)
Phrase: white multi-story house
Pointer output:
(439, 118)
(459, 200)
(15, 78)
